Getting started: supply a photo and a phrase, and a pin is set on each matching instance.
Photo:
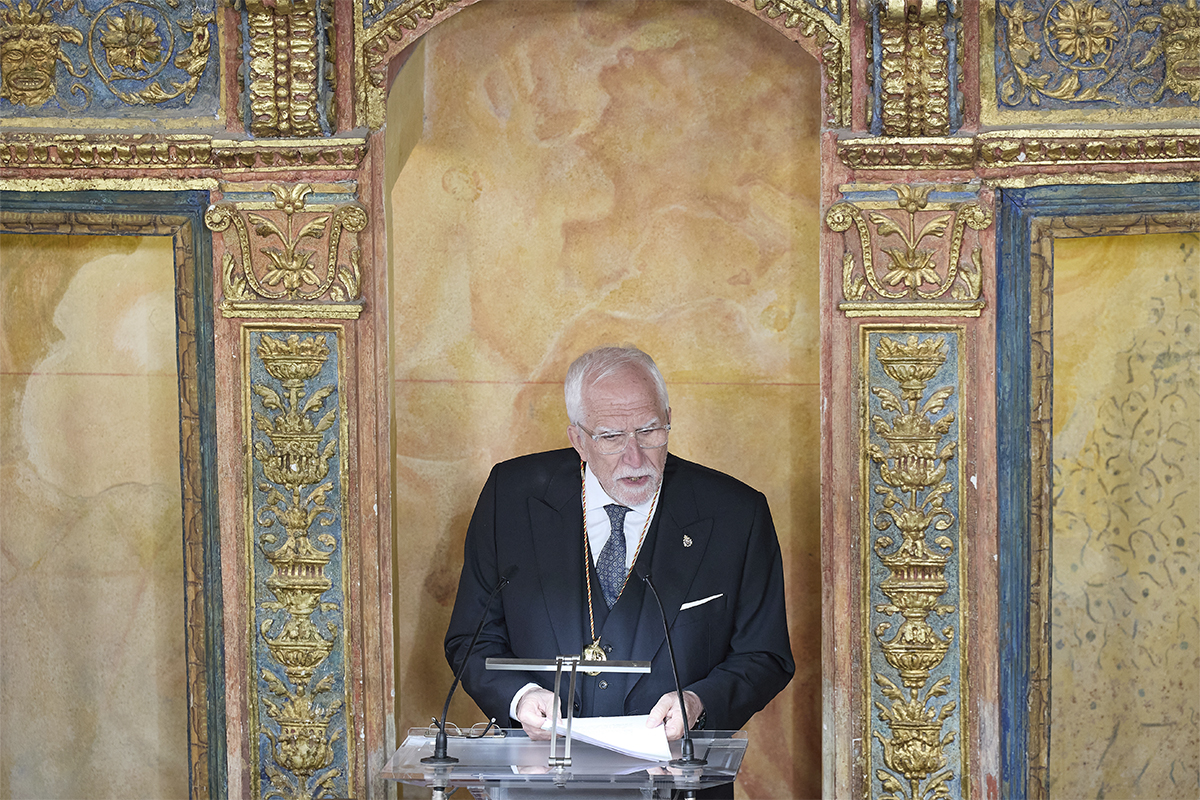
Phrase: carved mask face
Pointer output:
(28, 69)
(1181, 48)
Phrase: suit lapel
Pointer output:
(557, 530)
(673, 564)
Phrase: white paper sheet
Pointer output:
(626, 735)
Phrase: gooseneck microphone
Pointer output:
(687, 752)
(439, 745)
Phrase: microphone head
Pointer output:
(508, 574)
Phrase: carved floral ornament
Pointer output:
(907, 258)
(299, 639)
(283, 270)
(1064, 53)
(141, 51)
(911, 443)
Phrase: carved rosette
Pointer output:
(298, 582)
(1132, 59)
(148, 53)
(293, 260)
(906, 258)
(910, 448)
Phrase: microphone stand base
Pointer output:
(688, 762)
(439, 760)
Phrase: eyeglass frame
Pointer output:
(628, 436)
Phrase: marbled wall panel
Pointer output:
(1125, 642)
(93, 687)
(608, 172)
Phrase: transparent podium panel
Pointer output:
(508, 766)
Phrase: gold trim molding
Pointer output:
(383, 40)
(65, 151)
(1044, 232)
(1008, 150)
(199, 648)
(1020, 149)
(832, 41)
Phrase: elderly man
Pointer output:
(580, 525)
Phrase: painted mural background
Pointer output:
(93, 685)
(1125, 618)
(546, 209)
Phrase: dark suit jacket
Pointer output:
(733, 651)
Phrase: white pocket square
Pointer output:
(695, 603)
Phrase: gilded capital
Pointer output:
(918, 255)
(288, 257)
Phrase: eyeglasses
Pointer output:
(476, 731)
(610, 443)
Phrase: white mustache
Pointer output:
(635, 474)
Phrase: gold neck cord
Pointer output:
(594, 652)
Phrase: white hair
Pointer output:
(604, 362)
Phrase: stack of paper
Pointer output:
(627, 735)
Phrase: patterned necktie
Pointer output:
(610, 566)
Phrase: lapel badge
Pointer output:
(687, 540)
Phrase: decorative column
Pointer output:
(297, 426)
(912, 262)
(290, 269)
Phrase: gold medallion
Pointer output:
(593, 652)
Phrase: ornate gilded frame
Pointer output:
(384, 29)
(177, 215)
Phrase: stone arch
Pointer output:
(822, 33)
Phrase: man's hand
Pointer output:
(666, 710)
(534, 710)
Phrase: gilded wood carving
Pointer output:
(278, 267)
(128, 53)
(1098, 58)
(906, 258)
(289, 81)
(912, 477)
(915, 71)
(296, 466)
